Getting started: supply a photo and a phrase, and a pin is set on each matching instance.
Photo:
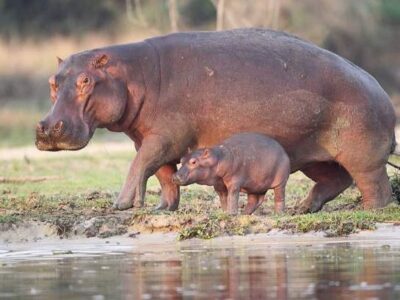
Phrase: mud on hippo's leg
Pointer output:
(169, 191)
(152, 154)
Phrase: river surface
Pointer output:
(252, 268)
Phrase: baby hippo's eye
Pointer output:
(85, 80)
(193, 162)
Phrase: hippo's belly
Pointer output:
(293, 119)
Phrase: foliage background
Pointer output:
(33, 33)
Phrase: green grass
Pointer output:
(339, 223)
(18, 121)
(17, 124)
(8, 219)
(85, 185)
(71, 174)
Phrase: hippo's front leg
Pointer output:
(169, 190)
(154, 152)
(233, 200)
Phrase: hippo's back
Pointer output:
(279, 61)
(256, 80)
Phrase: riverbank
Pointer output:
(69, 195)
(385, 235)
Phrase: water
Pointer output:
(201, 270)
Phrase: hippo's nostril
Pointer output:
(59, 126)
(41, 128)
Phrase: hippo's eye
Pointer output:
(83, 79)
(193, 162)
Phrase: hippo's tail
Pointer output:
(395, 150)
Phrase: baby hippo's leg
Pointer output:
(253, 202)
(222, 192)
(279, 195)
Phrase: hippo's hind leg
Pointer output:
(279, 198)
(331, 179)
(169, 190)
(253, 202)
(374, 186)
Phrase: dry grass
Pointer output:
(38, 58)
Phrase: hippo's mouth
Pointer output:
(180, 180)
(68, 141)
(52, 146)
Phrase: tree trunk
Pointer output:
(173, 15)
(220, 5)
(128, 8)
(139, 12)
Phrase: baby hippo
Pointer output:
(246, 162)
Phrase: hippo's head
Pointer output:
(197, 167)
(85, 95)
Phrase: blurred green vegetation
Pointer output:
(391, 11)
(33, 33)
(21, 18)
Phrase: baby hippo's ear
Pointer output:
(206, 153)
(59, 60)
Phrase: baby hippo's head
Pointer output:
(197, 167)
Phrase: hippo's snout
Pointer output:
(48, 134)
(60, 135)
(177, 179)
(44, 130)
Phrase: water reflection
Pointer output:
(331, 271)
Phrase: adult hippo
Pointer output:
(190, 90)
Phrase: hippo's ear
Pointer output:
(189, 150)
(59, 60)
(100, 61)
(206, 152)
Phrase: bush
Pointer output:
(42, 18)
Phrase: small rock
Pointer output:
(133, 234)
(61, 252)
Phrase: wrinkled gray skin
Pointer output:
(196, 89)
(247, 162)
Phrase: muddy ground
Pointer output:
(198, 217)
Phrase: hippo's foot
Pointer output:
(330, 180)
(124, 204)
(169, 198)
(164, 205)
(304, 207)
(169, 191)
